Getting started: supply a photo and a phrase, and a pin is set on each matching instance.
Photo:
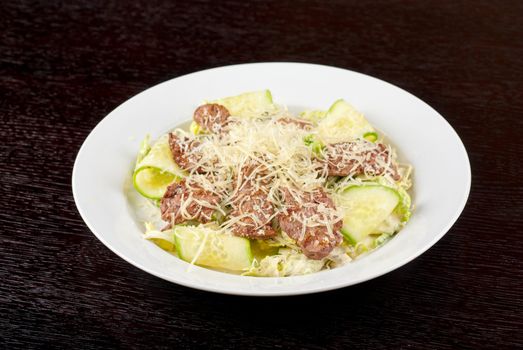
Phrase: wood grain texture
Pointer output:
(65, 65)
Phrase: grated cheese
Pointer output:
(265, 154)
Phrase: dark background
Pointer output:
(65, 65)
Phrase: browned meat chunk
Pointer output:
(300, 123)
(183, 151)
(212, 117)
(182, 202)
(252, 172)
(350, 158)
(307, 221)
(251, 214)
(252, 211)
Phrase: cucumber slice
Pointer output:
(160, 157)
(145, 147)
(156, 170)
(314, 116)
(371, 242)
(403, 210)
(249, 104)
(213, 249)
(152, 182)
(365, 208)
(391, 224)
(343, 123)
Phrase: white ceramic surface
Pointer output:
(423, 137)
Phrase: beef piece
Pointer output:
(184, 152)
(199, 204)
(251, 209)
(259, 209)
(251, 173)
(298, 222)
(212, 117)
(341, 159)
(300, 123)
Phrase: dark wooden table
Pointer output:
(64, 66)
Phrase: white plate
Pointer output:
(423, 137)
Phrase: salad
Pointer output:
(250, 188)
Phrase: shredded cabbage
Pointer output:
(164, 239)
(291, 262)
(145, 147)
(152, 233)
(314, 115)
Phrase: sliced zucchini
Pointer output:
(151, 182)
(365, 208)
(381, 239)
(343, 123)
(370, 242)
(160, 156)
(261, 249)
(403, 210)
(208, 247)
(156, 169)
(391, 224)
(145, 147)
(249, 104)
(314, 115)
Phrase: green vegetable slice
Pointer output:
(403, 210)
(314, 115)
(249, 104)
(205, 246)
(365, 208)
(343, 123)
(145, 147)
(155, 169)
(152, 182)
